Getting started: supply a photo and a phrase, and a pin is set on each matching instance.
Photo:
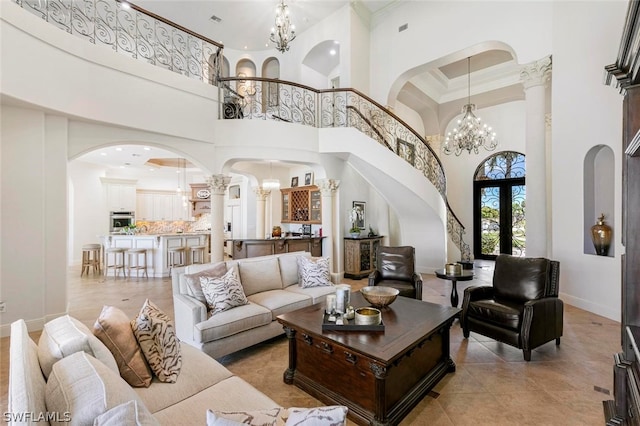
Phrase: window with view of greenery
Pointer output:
(499, 206)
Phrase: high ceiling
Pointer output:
(246, 24)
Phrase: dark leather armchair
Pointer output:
(521, 309)
(395, 267)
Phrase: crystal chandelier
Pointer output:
(284, 32)
(469, 134)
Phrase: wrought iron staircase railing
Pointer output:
(263, 98)
(142, 35)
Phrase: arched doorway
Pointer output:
(499, 206)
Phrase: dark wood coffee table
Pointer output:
(379, 375)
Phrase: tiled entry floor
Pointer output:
(492, 384)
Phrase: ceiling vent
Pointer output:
(215, 18)
(401, 28)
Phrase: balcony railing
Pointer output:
(135, 32)
(271, 99)
(144, 36)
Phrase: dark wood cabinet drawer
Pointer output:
(337, 368)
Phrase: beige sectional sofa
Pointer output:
(271, 285)
(90, 387)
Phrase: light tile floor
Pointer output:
(492, 384)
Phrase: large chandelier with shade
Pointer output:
(284, 31)
(470, 134)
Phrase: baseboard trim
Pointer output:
(595, 308)
(36, 324)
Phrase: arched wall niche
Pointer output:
(245, 68)
(226, 68)
(599, 193)
(270, 69)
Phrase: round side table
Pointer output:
(465, 275)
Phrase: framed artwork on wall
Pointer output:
(294, 181)
(308, 179)
(359, 207)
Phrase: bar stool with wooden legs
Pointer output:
(118, 261)
(176, 257)
(91, 259)
(134, 261)
(197, 254)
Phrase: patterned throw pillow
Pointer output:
(157, 338)
(269, 417)
(223, 293)
(193, 280)
(313, 272)
(333, 415)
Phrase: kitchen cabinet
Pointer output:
(360, 256)
(200, 199)
(301, 205)
(120, 194)
(243, 248)
(157, 205)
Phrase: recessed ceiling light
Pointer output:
(332, 52)
(146, 148)
(118, 149)
(125, 5)
(336, 42)
(245, 48)
(151, 170)
(104, 154)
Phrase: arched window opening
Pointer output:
(499, 206)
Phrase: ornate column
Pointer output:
(261, 201)
(218, 185)
(534, 77)
(330, 247)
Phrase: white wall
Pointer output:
(585, 113)
(508, 120)
(33, 216)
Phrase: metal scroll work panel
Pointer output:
(133, 33)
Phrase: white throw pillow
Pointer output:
(65, 336)
(223, 293)
(313, 272)
(85, 388)
(332, 415)
(129, 413)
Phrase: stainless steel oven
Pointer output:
(119, 220)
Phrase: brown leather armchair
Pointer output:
(395, 267)
(521, 309)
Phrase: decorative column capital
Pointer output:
(218, 183)
(536, 73)
(328, 187)
(261, 193)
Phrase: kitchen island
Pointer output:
(244, 248)
(157, 246)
